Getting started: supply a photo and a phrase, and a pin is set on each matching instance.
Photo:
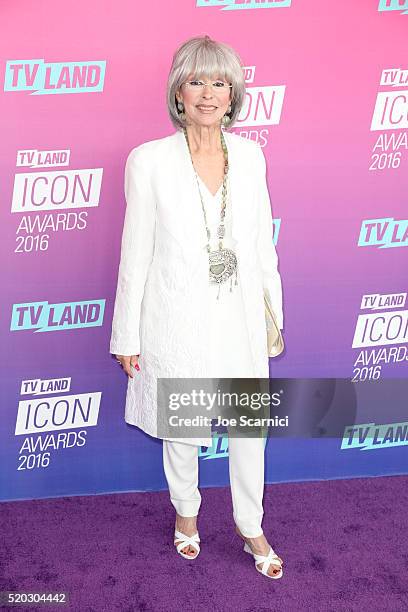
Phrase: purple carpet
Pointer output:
(343, 542)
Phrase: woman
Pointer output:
(186, 304)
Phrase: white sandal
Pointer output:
(185, 541)
(270, 558)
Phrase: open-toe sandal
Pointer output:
(185, 541)
(270, 559)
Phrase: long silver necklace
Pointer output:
(222, 262)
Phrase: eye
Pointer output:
(220, 84)
(196, 83)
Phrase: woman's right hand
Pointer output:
(127, 362)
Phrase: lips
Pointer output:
(203, 107)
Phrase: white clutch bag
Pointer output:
(275, 338)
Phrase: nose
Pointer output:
(208, 90)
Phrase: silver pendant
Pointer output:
(223, 264)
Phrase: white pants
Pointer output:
(229, 357)
(246, 470)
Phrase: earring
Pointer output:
(225, 119)
(180, 107)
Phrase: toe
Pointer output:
(273, 570)
(188, 550)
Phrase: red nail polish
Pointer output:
(137, 366)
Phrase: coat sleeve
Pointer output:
(137, 250)
(266, 248)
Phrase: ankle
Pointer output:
(258, 545)
(185, 518)
(250, 538)
(186, 522)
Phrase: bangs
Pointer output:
(207, 62)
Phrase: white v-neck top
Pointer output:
(230, 355)
(213, 211)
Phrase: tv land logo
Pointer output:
(394, 5)
(383, 233)
(218, 448)
(45, 417)
(40, 78)
(390, 113)
(46, 317)
(234, 5)
(62, 192)
(380, 335)
(370, 436)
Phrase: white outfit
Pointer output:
(163, 307)
(229, 356)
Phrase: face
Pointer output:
(205, 107)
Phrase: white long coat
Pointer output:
(161, 307)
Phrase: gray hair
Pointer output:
(202, 56)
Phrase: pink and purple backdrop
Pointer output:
(327, 97)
